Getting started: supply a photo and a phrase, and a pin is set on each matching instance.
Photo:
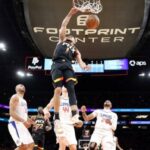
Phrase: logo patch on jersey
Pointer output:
(69, 47)
(106, 116)
(65, 108)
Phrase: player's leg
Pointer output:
(30, 146)
(70, 136)
(41, 142)
(92, 145)
(25, 136)
(13, 130)
(35, 138)
(18, 132)
(72, 96)
(21, 147)
(108, 143)
(62, 139)
(25, 147)
(62, 143)
(73, 147)
(70, 81)
(57, 78)
(95, 140)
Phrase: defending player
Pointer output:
(68, 137)
(106, 124)
(38, 129)
(19, 120)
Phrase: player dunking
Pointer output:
(19, 121)
(62, 71)
(68, 137)
(106, 124)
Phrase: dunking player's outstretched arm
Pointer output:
(81, 63)
(85, 116)
(62, 30)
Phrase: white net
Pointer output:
(93, 6)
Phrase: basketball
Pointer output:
(92, 22)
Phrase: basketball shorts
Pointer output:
(68, 135)
(19, 133)
(114, 144)
(104, 139)
(62, 73)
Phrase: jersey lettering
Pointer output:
(65, 109)
(71, 47)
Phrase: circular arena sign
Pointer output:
(121, 26)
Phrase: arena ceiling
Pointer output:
(122, 24)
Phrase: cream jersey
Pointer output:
(21, 109)
(65, 111)
(101, 116)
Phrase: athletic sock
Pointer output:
(74, 112)
(56, 115)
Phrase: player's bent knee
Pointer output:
(23, 147)
(31, 146)
(73, 147)
(92, 146)
(71, 93)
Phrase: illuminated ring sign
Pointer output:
(122, 23)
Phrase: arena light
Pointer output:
(141, 116)
(136, 122)
(142, 74)
(2, 47)
(21, 74)
(125, 127)
(29, 74)
(124, 116)
(142, 127)
(3, 119)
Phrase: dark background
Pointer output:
(129, 91)
(116, 14)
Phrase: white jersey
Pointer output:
(102, 115)
(17, 129)
(21, 109)
(65, 111)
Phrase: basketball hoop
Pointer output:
(92, 6)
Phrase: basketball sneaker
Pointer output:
(58, 128)
(75, 119)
